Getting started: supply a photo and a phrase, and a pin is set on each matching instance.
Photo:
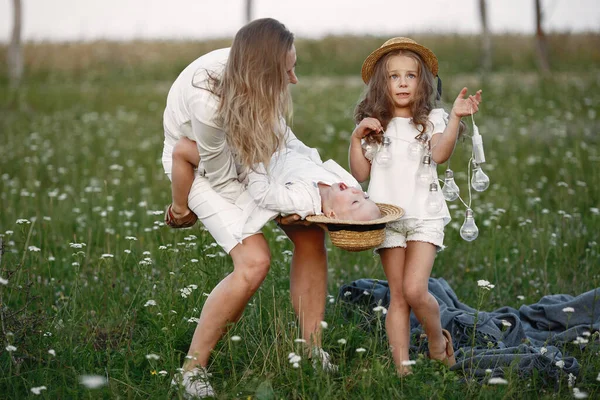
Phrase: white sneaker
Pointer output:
(195, 383)
(318, 354)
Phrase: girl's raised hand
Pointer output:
(366, 127)
(464, 106)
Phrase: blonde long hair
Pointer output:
(254, 94)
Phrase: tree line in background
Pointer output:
(15, 51)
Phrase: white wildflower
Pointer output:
(361, 350)
(34, 249)
(52, 352)
(571, 380)
(560, 364)
(521, 297)
(506, 323)
(150, 303)
(407, 363)
(3, 281)
(568, 310)
(152, 356)
(299, 340)
(10, 348)
(543, 350)
(488, 371)
(347, 294)
(92, 381)
(130, 238)
(578, 394)
(598, 377)
(235, 338)
(107, 255)
(324, 325)
(21, 221)
(380, 309)
(497, 381)
(163, 373)
(485, 284)
(38, 390)
(295, 359)
(342, 341)
(295, 365)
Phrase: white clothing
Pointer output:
(190, 112)
(218, 197)
(291, 187)
(395, 183)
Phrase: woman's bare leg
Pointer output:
(419, 262)
(308, 279)
(185, 159)
(227, 301)
(397, 321)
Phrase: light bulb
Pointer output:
(479, 181)
(450, 189)
(384, 155)
(416, 148)
(468, 230)
(424, 171)
(433, 202)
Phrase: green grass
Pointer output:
(80, 161)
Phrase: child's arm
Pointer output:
(296, 197)
(360, 167)
(442, 144)
(185, 158)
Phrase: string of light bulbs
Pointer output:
(478, 180)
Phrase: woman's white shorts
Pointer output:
(220, 217)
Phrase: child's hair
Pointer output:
(254, 94)
(378, 103)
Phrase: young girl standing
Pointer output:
(398, 112)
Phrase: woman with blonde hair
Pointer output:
(233, 103)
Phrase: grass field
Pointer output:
(93, 284)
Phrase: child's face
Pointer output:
(403, 78)
(349, 203)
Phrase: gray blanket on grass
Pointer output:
(531, 342)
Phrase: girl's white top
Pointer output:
(395, 183)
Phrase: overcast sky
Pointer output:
(74, 20)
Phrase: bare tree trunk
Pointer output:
(540, 40)
(248, 10)
(15, 53)
(486, 40)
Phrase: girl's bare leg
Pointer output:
(397, 321)
(228, 299)
(419, 262)
(185, 159)
(308, 279)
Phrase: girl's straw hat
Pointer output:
(358, 235)
(399, 43)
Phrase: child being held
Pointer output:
(297, 182)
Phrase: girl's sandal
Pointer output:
(184, 222)
(449, 359)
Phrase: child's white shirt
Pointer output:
(396, 182)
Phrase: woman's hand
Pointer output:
(366, 127)
(292, 219)
(463, 107)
